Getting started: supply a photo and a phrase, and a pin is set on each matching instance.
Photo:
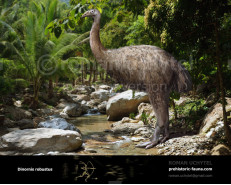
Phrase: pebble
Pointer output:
(186, 145)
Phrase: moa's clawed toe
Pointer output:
(143, 145)
(151, 145)
(164, 139)
(147, 145)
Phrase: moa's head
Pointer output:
(91, 13)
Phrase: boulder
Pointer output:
(45, 112)
(10, 123)
(16, 114)
(124, 103)
(26, 124)
(41, 140)
(73, 110)
(102, 107)
(221, 150)
(82, 97)
(102, 95)
(58, 123)
(213, 116)
(126, 126)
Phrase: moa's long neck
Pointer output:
(96, 45)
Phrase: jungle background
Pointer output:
(45, 58)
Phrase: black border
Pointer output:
(114, 169)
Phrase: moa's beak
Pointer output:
(86, 14)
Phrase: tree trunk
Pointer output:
(82, 77)
(51, 89)
(56, 81)
(90, 77)
(222, 90)
(217, 87)
(34, 103)
(85, 71)
(107, 77)
(95, 73)
(73, 82)
(102, 76)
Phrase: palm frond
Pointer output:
(52, 8)
(30, 33)
(81, 38)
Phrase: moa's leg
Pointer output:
(160, 106)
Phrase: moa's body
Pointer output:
(144, 68)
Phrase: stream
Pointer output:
(97, 141)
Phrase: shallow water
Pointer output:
(99, 142)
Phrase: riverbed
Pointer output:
(99, 141)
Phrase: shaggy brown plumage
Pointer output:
(144, 68)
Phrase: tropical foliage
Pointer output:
(47, 41)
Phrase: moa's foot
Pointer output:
(164, 139)
(147, 145)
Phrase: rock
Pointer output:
(64, 115)
(90, 150)
(221, 150)
(84, 108)
(62, 104)
(82, 97)
(124, 103)
(58, 123)
(211, 99)
(137, 139)
(27, 99)
(186, 145)
(126, 127)
(18, 103)
(26, 124)
(92, 111)
(3, 130)
(9, 123)
(213, 116)
(41, 140)
(73, 110)
(82, 89)
(45, 112)
(102, 95)
(93, 103)
(144, 131)
(105, 87)
(211, 133)
(27, 90)
(102, 107)
(16, 114)
(181, 101)
(145, 108)
(37, 120)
